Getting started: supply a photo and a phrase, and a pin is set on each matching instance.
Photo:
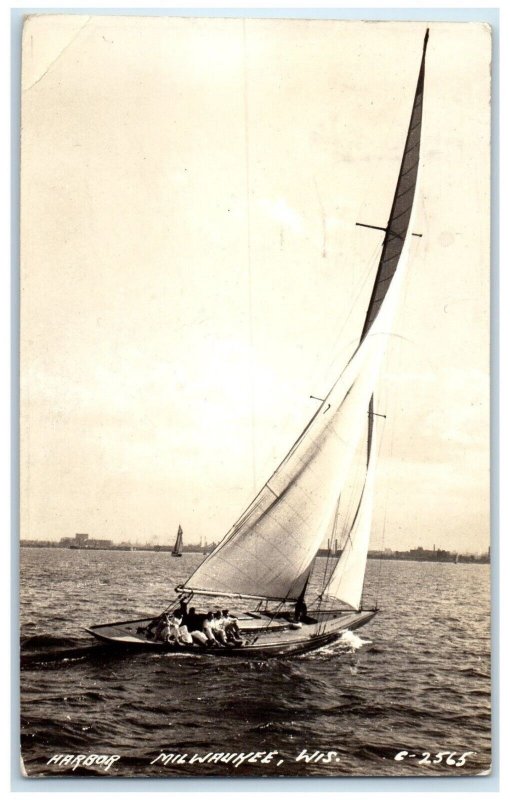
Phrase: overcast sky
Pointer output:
(192, 271)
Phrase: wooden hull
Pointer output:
(264, 635)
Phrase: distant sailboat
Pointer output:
(269, 553)
(177, 551)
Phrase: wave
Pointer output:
(60, 655)
(348, 644)
(47, 640)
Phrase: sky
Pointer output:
(191, 268)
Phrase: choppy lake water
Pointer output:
(417, 678)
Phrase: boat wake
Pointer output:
(348, 644)
(352, 641)
(46, 640)
(46, 649)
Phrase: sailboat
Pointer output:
(269, 553)
(177, 551)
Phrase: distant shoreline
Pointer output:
(448, 559)
(430, 556)
(120, 547)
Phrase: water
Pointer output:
(417, 678)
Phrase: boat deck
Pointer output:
(263, 633)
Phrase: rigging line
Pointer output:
(173, 603)
(321, 595)
(397, 357)
(373, 456)
(330, 547)
(252, 505)
(379, 572)
(391, 416)
(328, 557)
(358, 483)
(285, 600)
(359, 289)
(327, 576)
(381, 427)
(325, 580)
(360, 467)
(245, 516)
(252, 508)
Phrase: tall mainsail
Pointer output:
(269, 551)
(346, 581)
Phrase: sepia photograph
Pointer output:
(254, 397)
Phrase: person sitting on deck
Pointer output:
(194, 623)
(231, 627)
(208, 630)
(162, 632)
(158, 621)
(180, 631)
(152, 625)
(218, 628)
(172, 632)
(183, 608)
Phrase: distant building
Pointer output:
(82, 541)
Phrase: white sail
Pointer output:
(346, 580)
(269, 550)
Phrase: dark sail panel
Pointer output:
(177, 551)
(400, 214)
